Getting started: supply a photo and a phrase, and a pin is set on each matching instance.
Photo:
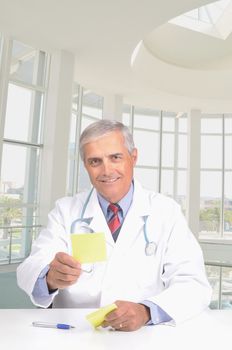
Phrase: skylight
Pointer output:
(214, 19)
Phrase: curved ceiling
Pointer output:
(174, 69)
(189, 49)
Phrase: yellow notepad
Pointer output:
(89, 247)
(96, 318)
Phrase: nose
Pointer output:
(107, 167)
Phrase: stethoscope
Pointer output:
(83, 227)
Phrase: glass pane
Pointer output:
(226, 288)
(181, 189)
(228, 152)
(72, 156)
(211, 184)
(211, 125)
(181, 183)
(126, 116)
(228, 186)
(228, 124)
(83, 179)
(228, 206)
(182, 124)
(182, 151)
(211, 152)
(15, 243)
(19, 173)
(72, 135)
(23, 114)
(214, 278)
(167, 182)
(86, 121)
(27, 64)
(148, 147)
(75, 99)
(92, 104)
(70, 176)
(72, 140)
(168, 148)
(147, 177)
(146, 119)
(169, 122)
(74, 114)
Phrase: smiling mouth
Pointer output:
(109, 181)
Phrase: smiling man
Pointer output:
(110, 165)
(154, 270)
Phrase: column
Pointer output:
(113, 107)
(193, 170)
(56, 131)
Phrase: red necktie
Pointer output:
(114, 222)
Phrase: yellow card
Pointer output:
(97, 317)
(89, 247)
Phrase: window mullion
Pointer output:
(27, 85)
(223, 177)
(160, 151)
(176, 146)
(77, 161)
(4, 75)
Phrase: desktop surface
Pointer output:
(210, 330)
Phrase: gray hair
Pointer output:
(101, 128)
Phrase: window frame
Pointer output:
(30, 227)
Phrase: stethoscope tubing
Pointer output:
(86, 221)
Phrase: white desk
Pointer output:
(210, 330)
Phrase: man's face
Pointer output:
(110, 165)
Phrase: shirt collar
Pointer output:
(124, 203)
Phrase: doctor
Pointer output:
(154, 270)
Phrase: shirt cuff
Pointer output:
(40, 289)
(158, 315)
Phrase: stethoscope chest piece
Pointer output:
(150, 248)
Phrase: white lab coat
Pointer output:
(174, 278)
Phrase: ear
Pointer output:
(134, 156)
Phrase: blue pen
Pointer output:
(52, 325)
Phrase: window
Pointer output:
(215, 230)
(220, 278)
(87, 107)
(216, 177)
(21, 150)
(212, 19)
(161, 139)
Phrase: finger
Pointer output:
(122, 326)
(65, 269)
(58, 280)
(65, 277)
(121, 310)
(63, 284)
(118, 323)
(66, 259)
(116, 318)
(65, 264)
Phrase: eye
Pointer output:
(94, 162)
(116, 157)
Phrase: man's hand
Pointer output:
(128, 316)
(64, 271)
